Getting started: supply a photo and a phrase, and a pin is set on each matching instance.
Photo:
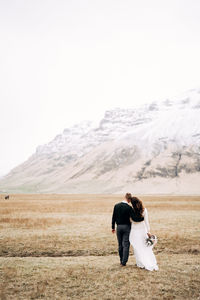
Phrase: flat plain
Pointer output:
(61, 247)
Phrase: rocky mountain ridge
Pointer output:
(151, 149)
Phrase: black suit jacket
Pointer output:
(122, 213)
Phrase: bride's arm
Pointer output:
(146, 220)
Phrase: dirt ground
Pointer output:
(61, 247)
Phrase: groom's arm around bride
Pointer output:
(123, 213)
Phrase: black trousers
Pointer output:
(123, 232)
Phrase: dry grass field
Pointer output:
(61, 247)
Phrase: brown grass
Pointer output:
(61, 247)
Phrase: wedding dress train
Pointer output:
(144, 255)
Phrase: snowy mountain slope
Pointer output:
(145, 149)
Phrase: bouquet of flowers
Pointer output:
(151, 240)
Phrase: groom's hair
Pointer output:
(128, 196)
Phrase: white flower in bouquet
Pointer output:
(151, 241)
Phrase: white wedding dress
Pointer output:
(144, 255)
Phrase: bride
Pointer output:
(144, 255)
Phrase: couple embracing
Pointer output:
(133, 228)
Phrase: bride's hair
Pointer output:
(138, 206)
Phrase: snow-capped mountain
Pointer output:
(151, 149)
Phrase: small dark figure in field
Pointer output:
(7, 197)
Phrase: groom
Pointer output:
(121, 216)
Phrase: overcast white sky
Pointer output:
(65, 61)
